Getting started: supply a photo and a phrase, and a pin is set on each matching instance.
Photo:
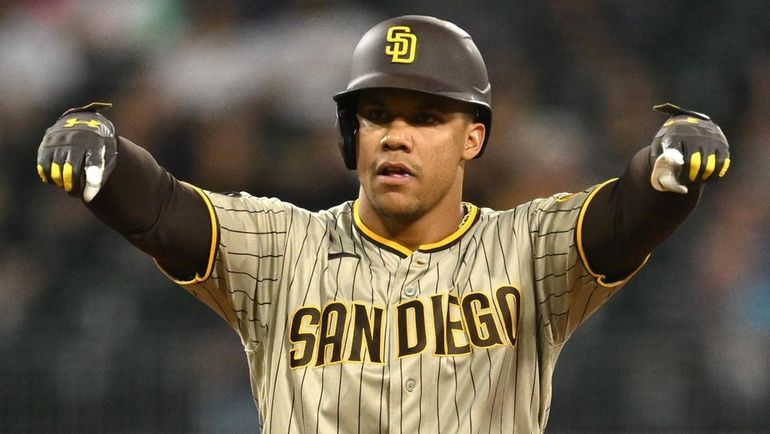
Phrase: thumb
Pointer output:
(94, 170)
(665, 170)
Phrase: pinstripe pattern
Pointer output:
(347, 335)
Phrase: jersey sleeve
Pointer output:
(567, 289)
(247, 252)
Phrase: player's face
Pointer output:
(411, 151)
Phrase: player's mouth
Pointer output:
(394, 173)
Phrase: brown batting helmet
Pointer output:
(418, 53)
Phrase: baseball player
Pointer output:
(407, 309)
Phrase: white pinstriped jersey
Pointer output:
(347, 332)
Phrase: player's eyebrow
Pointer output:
(370, 101)
(432, 106)
(442, 105)
(419, 103)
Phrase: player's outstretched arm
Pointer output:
(661, 186)
(124, 186)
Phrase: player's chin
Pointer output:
(397, 204)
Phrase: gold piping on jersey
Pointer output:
(599, 277)
(473, 215)
(212, 249)
(395, 247)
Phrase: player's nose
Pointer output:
(397, 136)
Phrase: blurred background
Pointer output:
(236, 95)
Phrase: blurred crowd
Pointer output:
(236, 95)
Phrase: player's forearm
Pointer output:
(154, 211)
(626, 220)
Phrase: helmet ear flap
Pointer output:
(348, 125)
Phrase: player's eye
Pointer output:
(427, 118)
(375, 114)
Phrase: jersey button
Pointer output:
(409, 291)
(420, 260)
(409, 385)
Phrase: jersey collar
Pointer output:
(393, 246)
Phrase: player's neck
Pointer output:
(412, 232)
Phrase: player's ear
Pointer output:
(474, 138)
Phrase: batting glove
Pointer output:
(688, 149)
(78, 152)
